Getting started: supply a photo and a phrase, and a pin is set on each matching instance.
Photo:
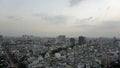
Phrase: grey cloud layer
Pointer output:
(14, 18)
(84, 22)
(86, 19)
(59, 19)
(109, 25)
(106, 26)
(74, 2)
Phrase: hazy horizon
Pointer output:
(91, 18)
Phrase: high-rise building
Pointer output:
(81, 40)
(61, 39)
(119, 56)
(72, 41)
(1, 38)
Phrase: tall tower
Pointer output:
(72, 41)
(1, 38)
(81, 40)
(61, 39)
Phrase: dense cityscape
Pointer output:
(29, 51)
(59, 33)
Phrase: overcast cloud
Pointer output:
(54, 17)
(74, 2)
(59, 19)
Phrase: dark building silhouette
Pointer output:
(1, 39)
(115, 41)
(61, 39)
(72, 41)
(81, 40)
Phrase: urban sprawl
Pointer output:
(30, 51)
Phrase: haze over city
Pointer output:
(91, 18)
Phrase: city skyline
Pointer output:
(96, 18)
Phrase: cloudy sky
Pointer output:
(91, 18)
